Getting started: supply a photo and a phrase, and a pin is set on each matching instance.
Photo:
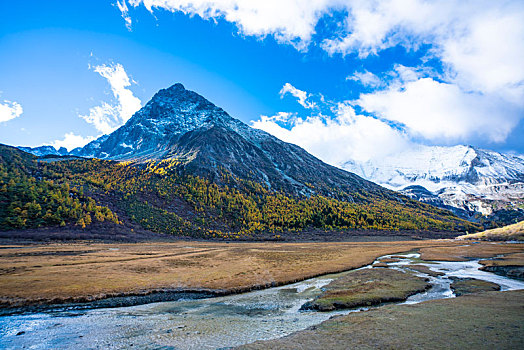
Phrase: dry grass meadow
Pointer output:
(54, 273)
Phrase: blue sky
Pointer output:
(325, 74)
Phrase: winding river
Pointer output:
(211, 323)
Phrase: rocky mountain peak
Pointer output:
(155, 128)
(175, 94)
(176, 87)
(204, 140)
(178, 96)
(178, 106)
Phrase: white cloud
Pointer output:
(301, 96)
(442, 112)
(372, 26)
(106, 117)
(366, 79)
(488, 58)
(72, 141)
(122, 6)
(284, 117)
(10, 110)
(339, 138)
(403, 74)
(478, 43)
(289, 21)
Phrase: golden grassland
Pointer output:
(515, 259)
(31, 274)
(513, 232)
(492, 320)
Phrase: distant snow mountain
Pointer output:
(469, 179)
(45, 151)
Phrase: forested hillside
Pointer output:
(30, 199)
(162, 197)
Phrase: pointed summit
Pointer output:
(175, 101)
(152, 130)
(173, 90)
(176, 87)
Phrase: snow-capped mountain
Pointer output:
(189, 144)
(45, 151)
(181, 125)
(153, 129)
(464, 177)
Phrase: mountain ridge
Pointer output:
(181, 124)
(183, 166)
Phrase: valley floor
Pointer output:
(35, 277)
(84, 272)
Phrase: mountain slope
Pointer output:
(28, 200)
(514, 232)
(180, 124)
(202, 138)
(160, 198)
(463, 177)
(183, 166)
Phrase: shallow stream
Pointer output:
(211, 323)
